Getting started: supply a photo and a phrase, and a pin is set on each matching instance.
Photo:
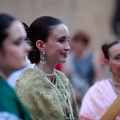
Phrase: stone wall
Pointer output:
(93, 16)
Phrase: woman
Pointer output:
(45, 91)
(15, 76)
(13, 51)
(103, 93)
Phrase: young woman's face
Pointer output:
(14, 49)
(57, 46)
(114, 60)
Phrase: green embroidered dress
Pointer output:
(10, 106)
(42, 100)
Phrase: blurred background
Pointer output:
(97, 21)
(93, 16)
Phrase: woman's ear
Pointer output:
(107, 63)
(40, 45)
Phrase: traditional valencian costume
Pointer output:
(45, 99)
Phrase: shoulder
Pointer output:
(60, 73)
(96, 100)
(98, 89)
(27, 78)
(28, 71)
(62, 76)
(65, 80)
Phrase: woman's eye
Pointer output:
(117, 58)
(17, 43)
(61, 41)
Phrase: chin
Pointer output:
(18, 66)
(63, 61)
(24, 65)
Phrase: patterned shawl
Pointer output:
(41, 99)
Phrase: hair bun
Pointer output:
(105, 47)
(26, 27)
(105, 50)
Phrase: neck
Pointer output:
(4, 75)
(48, 69)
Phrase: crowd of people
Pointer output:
(34, 83)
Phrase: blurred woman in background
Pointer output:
(13, 51)
(15, 75)
(103, 93)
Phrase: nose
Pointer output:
(67, 46)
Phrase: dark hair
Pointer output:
(40, 29)
(81, 36)
(26, 27)
(5, 22)
(106, 47)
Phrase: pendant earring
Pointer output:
(43, 58)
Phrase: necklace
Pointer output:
(50, 75)
(114, 86)
(71, 117)
(69, 104)
(115, 83)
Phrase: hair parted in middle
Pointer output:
(40, 29)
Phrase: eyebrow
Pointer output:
(63, 37)
(117, 54)
(20, 38)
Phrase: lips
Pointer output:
(64, 54)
